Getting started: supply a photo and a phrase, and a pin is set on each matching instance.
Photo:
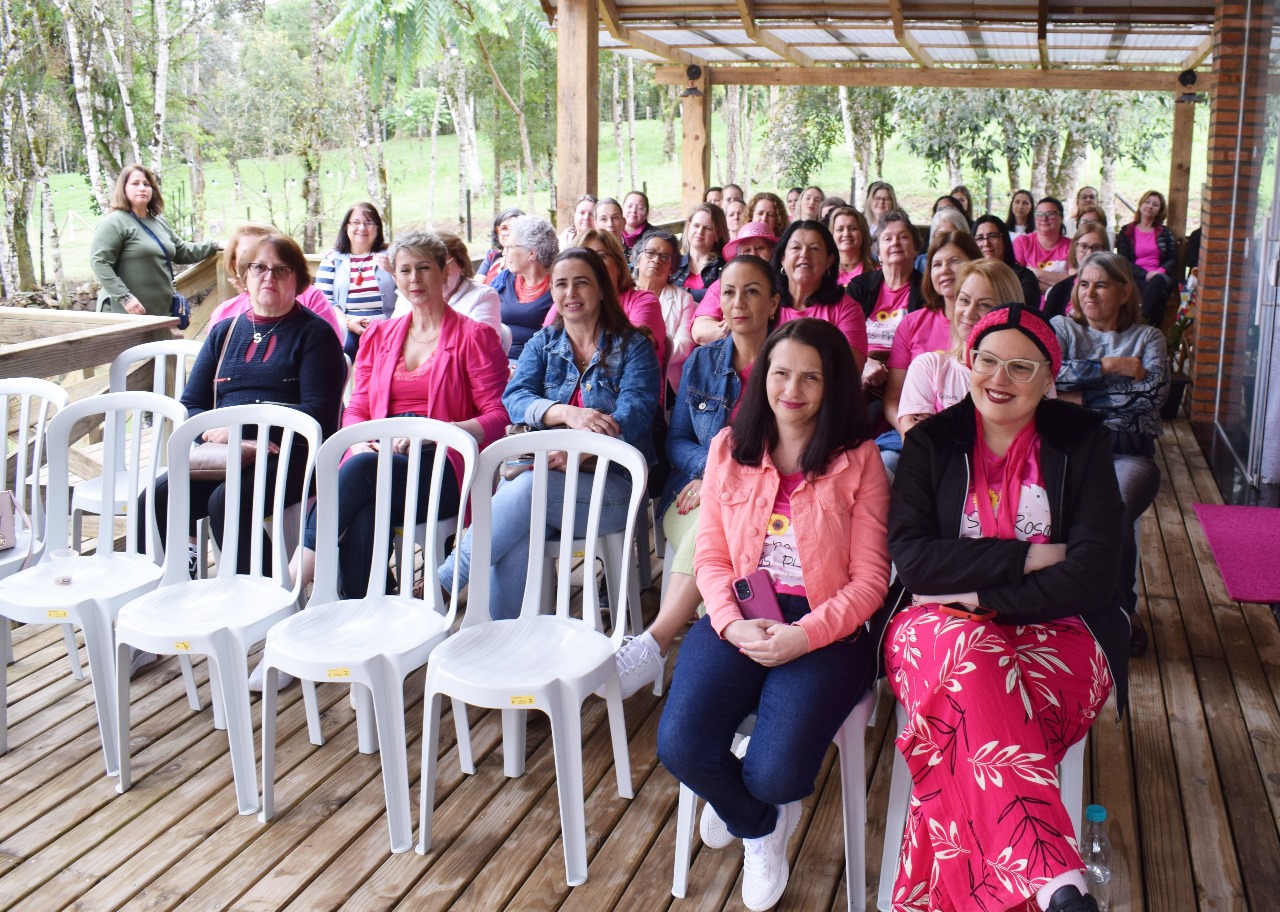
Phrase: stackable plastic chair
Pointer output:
(550, 662)
(372, 642)
(33, 402)
(850, 740)
(223, 616)
(102, 583)
(1070, 779)
(170, 362)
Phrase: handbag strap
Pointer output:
(222, 354)
(163, 249)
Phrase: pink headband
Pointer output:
(1028, 322)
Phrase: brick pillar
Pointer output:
(1241, 46)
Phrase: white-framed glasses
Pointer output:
(1020, 370)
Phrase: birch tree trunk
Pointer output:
(309, 151)
(124, 78)
(631, 120)
(732, 97)
(13, 226)
(431, 168)
(517, 110)
(855, 167)
(669, 111)
(744, 124)
(1039, 169)
(84, 104)
(195, 158)
(954, 173)
(39, 164)
(617, 129)
(163, 42)
(1107, 192)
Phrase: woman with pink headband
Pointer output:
(1005, 526)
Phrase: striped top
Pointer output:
(363, 292)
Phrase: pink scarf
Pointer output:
(1000, 522)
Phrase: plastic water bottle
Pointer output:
(1096, 852)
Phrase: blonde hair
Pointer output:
(1004, 285)
(249, 229)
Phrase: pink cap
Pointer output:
(749, 230)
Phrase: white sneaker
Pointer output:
(640, 663)
(257, 676)
(715, 835)
(764, 865)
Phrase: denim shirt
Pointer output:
(709, 389)
(624, 385)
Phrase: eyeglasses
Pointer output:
(1083, 250)
(656, 255)
(1020, 370)
(359, 223)
(985, 238)
(1046, 216)
(258, 270)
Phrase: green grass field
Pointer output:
(273, 187)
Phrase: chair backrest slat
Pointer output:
(35, 402)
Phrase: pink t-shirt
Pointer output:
(886, 316)
(709, 306)
(844, 278)
(312, 299)
(693, 281)
(845, 315)
(781, 557)
(1146, 252)
(409, 391)
(935, 381)
(1034, 522)
(920, 331)
(1028, 252)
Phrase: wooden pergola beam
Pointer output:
(913, 47)
(577, 104)
(1042, 32)
(747, 10)
(612, 20)
(952, 77)
(1197, 57)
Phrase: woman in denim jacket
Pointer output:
(590, 370)
(709, 389)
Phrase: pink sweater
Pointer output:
(840, 520)
(467, 376)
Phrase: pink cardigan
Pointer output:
(840, 519)
(466, 378)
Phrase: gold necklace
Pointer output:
(426, 341)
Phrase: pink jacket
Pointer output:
(312, 299)
(466, 379)
(840, 520)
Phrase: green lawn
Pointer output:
(273, 187)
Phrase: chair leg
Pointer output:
(430, 747)
(123, 652)
(388, 709)
(102, 668)
(4, 685)
(513, 741)
(189, 682)
(366, 726)
(73, 651)
(686, 814)
(462, 727)
(643, 563)
(77, 538)
(312, 706)
(1071, 777)
(215, 697)
(566, 740)
(618, 733)
(270, 675)
(850, 741)
(232, 670)
(895, 823)
(6, 640)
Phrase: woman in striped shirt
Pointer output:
(355, 275)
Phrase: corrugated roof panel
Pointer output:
(886, 53)
(1015, 55)
(1188, 41)
(677, 37)
(1078, 55)
(1060, 37)
(1127, 56)
(727, 36)
(719, 53)
(829, 52)
(868, 36)
(756, 52)
(643, 56)
(804, 36)
(964, 54)
(939, 37)
(608, 41)
(1002, 39)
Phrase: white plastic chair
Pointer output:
(170, 362)
(374, 642)
(1070, 779)
(850, 741)
(33, 402)
(222, 617)
(108, 579)
(545, 662)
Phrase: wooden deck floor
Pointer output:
(1191, 779)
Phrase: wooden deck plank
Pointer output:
(1111, 762)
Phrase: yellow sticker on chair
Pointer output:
(182, 646)
(57, 613)
(339, 672)
(523, 701)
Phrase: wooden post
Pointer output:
(1184, 124)
(1220, 368)
(695, 158)
(578, 104)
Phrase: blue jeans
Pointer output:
(799, 708)
(512, 509)
(357, 506)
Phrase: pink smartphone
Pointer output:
(755, 596)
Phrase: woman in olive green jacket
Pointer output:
(127, 261)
